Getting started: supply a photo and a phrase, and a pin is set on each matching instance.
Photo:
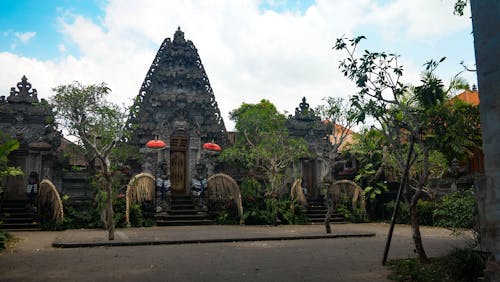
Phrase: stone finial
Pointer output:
(179, 36)
(25, 94)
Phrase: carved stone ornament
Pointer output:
(25, 94)
(176, 96)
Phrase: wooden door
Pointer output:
(308, 176)
(178, 163)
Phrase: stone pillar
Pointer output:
(485, 21)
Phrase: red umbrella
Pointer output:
(156, 144)
(211, 146)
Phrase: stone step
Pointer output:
(17, 219)
(184, 222)
(332, 219)
(182, 201)
(14, 209)
(182, 206)
(186, 211)
(19, 226)
(171, 217)
(18, 214)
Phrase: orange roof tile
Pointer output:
(471, 97)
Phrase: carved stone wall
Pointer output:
(176, 99)
(305, 123)
(24, 118)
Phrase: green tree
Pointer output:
(340, 117)
(407, 116)
(263, 145)
(97, 123)
(369, 149)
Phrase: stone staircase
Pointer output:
(18, 215)
(182, 212)
(317, 210)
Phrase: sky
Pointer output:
(280, 50)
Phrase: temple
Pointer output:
(177, 105)
(31, 122)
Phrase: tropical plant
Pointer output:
(263, 145)
(406, 114)
(368, 148)
(340, 117)
(7, 145)
(456, 210)
(98, 124)
(4, 238)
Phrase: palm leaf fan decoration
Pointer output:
(223, 187)
(50, 201)
(140, 188)
(297, 193)
(346, 188)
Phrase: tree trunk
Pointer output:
(415, 231)
(329, 204)
(109, 213)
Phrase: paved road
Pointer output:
(333, 259)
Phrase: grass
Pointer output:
(458, 265)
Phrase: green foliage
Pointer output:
(263, 146)
(7, 145)
(88, 215)
(4, 238)
(226, 218)
(459, 7)
(458, 265)
(411, 270)
(368, 150)
(464, 265)
(456, 210)
(123, 153)
(411, 117)
(137, 219)
(261, 210)
(425, 212)
(356, 215)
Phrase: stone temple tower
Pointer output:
(177, 105)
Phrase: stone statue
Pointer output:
(163, 192)
(199, 187)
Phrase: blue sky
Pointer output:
(278, 50)
(43, 18)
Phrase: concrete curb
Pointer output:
(57, 244)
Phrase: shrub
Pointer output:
(455, 210)
(226, 218)
(4, 238)
(258, 209)
(411, 270)
(355, 215)
(457, 265)
(425, 212)
(464, 265)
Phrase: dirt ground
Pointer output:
(32, 258)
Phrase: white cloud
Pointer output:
(62, 48)
(24, 37)
(248, 54)
(423, 20)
